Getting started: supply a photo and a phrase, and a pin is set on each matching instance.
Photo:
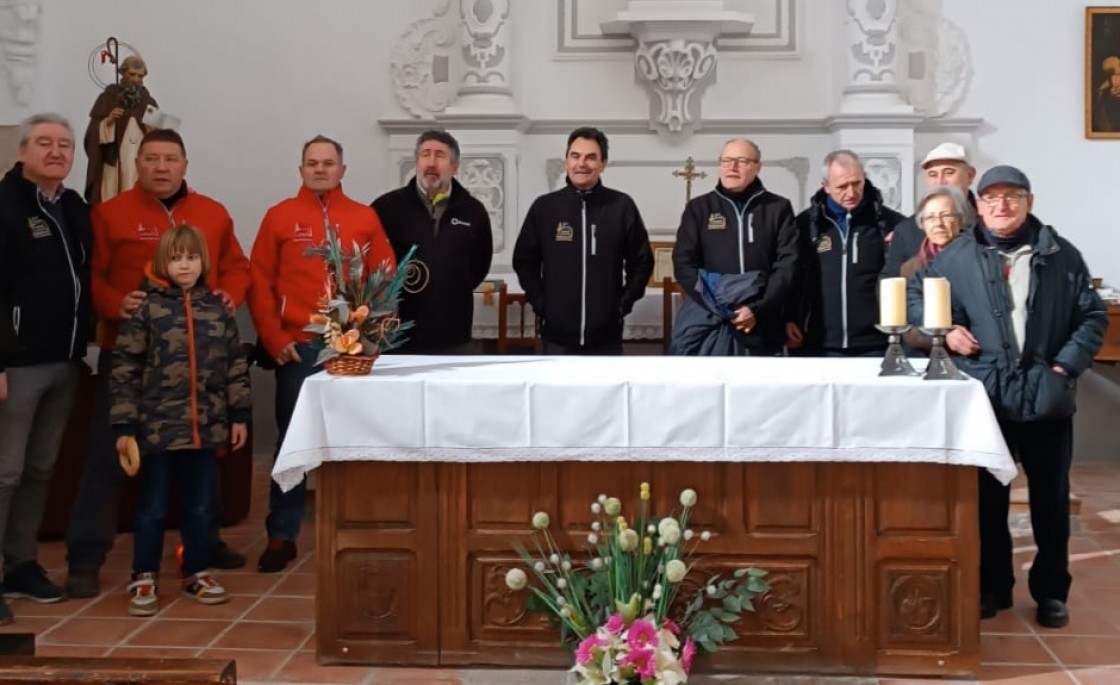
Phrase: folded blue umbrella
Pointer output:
(724, 293)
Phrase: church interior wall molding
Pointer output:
(675, 57)
(579, 35)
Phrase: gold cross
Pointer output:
(688, 173)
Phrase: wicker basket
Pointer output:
(350, 364)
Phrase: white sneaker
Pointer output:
(144, 601)
(203, 588)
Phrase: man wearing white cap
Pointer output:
(1026, 323)
(945, 165)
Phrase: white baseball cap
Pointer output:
(946, 152)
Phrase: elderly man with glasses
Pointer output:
(739, 241)
(1027, 322)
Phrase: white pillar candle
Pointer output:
(892, 302)
(935, 297)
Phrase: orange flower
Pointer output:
(346, 342)
(320, 319)
(360, 314)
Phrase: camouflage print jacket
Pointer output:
(180, 376)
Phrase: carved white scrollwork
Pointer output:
(485, 33)
(886, 174)
(19, 37)
(874, 47)
(485, 177)
(676, 71)
(424, 66)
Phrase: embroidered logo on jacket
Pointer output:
(39, 227)
(824, 244)
(564, 232)
(460, 222)
(717, 222)
(301, 233)
(147, 232)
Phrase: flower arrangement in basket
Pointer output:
(357, 317)
(624, 608)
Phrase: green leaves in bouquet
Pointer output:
(350, 289)
(709, 624)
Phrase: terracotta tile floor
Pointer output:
(268, 625)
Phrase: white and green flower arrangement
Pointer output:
(625, 608)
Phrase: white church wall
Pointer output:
(1029, 88)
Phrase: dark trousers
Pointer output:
(93, 521)
(1045, 450)
(192, 472)
(855, 352)
(286, 509)
(603, 349)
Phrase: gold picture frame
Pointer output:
(1102, 72)
(662, 262)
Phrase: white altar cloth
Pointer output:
(523, 408)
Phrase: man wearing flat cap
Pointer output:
(1026, 322)
(945, 165)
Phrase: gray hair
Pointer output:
(960, 202)
(440, 136)
(843, 158)
(34, 120)
(748, 141)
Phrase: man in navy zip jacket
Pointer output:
(843, 238)
(583, 256)
(738, 228)
(44, 325)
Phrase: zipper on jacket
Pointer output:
(73, 273)
(192, 358)
(583, 276)
(750, 228)
(843, 281)
(750, 224)
(283, 305)
(15, 318)
(593, 239)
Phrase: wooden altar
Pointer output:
(873, 562)
(872, 566)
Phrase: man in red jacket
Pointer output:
(126, 232)
(287, 286)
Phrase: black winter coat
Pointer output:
(583, 259)
(1066, 321)
(45, 312)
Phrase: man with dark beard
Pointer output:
(454, 245)
(114, 133)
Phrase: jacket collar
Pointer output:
(328, 198)
(27, 188)
(457, 191)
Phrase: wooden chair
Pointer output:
(527, 326)
(669, 307)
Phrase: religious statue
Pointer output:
(116, 127)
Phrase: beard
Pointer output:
(433, 184)
(131, 96)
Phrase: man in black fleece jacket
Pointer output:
(454, 246)
(737, 228)
(575, 247)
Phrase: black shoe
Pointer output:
(225, 558)
(5, 613)
(1052, 613)
(990, 605)
(29, 580)
(276, 556)
(81, 584)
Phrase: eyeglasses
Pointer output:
(942, 218)
(736, 161)
(1012, 199)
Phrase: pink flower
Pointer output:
(616, 624)
(641, 634)
(585, 652)
(672, 627)
(643, 661)
(687, 652)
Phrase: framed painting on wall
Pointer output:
(662, 262)
(1102, 72)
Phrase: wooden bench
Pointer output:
(116, 670)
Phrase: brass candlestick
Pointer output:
(895, 362)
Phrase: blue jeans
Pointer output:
(286, 509)
(93, 520)
(193, 472)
